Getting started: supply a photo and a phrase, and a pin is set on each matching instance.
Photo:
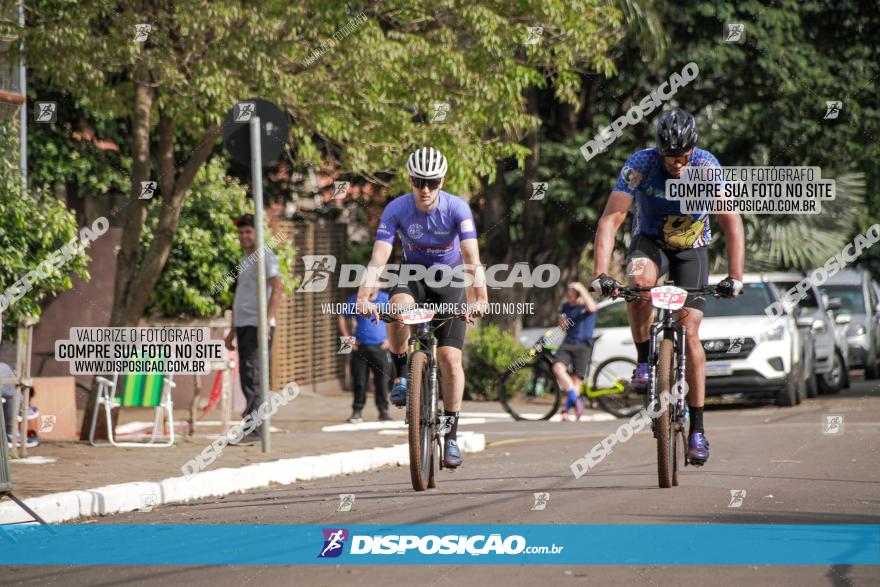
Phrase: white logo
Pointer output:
(736, 345)
(833, 108)
(539, 190)
(445, 424)
(441, 109)
(319, 268)
(340, 189)
(244, 111)
(47, 423)
(467, 225)
(736, 498)
(346, 501)
(637, 266)
(415, 231)
(148, 188)
(833, 424)
(541, 500)
(45, 111)
(534, 35)
(734, 32)
(346, 343)
(148, 501)
(141, 32)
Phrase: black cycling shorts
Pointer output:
(686, 267)
(452, 332)
(576, 357)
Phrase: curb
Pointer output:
(129, 497)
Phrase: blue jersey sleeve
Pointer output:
(389, 222)
(464, 220)
(633, 174)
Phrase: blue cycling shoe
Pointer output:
(698, 449)
(640, 377)
(451, 454)
(398, 393)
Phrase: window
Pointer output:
(851, 299)
(808, 301)
(754, 299)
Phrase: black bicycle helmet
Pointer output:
(676, 132)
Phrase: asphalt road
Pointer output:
(790, 470)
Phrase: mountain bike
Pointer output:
(667, 360)
(424, 422)
(528, 390)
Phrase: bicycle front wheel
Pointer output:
(530, 392)
(421, 426)
(611, 385)
(664, 430)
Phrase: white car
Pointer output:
(746, 352)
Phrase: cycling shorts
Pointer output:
(452, 332)
(686, 267)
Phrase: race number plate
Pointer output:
(417, 316)
(668, 297)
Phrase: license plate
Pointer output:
(718, 369)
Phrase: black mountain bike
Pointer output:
(666, 359)
(423, 419)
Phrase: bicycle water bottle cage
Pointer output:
(417, 316)
(668, 297)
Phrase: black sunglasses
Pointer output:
(431, 184)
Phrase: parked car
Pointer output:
(746, 352)
(825, 349)
(858, 317)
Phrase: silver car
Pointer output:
(858, 317)
(817, 322)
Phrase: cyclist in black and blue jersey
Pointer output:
(666, 241)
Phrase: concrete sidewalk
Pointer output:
(62, 475)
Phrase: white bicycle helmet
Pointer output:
(426, 163)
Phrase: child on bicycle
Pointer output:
(577, 317)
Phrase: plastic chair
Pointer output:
(107, 399)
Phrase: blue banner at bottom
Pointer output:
(203, 544)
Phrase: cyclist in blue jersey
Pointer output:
(664, 240)
(437, 231)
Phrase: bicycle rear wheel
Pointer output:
(664, 429)
(530, 392)
(611, 380)
(421, 428)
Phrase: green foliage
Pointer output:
(196, 281)
(359, 78)
(490, 352)
(32, 227)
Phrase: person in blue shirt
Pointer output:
(577, 317)
(369, 353)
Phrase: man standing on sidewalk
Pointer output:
(245, 317)
(369, 353)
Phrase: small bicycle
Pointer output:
(537, 395)
(423, 419)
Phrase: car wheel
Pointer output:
(832, 382)
(872, 369)
(788, 395)
(813, 386)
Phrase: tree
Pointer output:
(359, 81)
(32, 228)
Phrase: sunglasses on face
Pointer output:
(431, 184)
(682, 159)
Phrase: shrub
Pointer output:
(490, 352)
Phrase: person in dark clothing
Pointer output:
(577, 316)
(245, 317)
(369, 353)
